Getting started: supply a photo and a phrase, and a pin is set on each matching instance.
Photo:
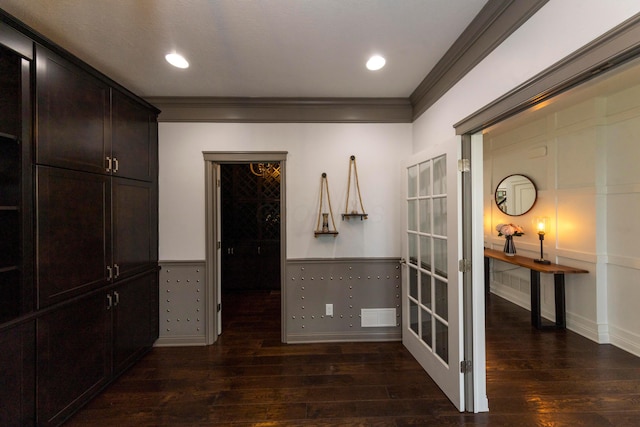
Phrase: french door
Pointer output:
(431, 294)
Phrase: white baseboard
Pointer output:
(626, 340)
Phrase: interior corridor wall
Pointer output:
(313, 149)
(581, 152)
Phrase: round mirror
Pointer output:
(516, 195)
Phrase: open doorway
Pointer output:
(250, 227)
(250, 238)
(245, 236)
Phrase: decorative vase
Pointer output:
(509, 246)
(325, 222)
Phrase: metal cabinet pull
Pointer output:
(258, 250)
(109, 164)
(109, 302)
(117, 269)
(115, 164)
(110, 272)
(117, 295)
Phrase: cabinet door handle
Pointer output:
(109, 164)
(109, 302)
(258, 250)
(117, 295)
(117, 269)
(110, 272)
(115, 164)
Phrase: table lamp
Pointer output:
(541, 226)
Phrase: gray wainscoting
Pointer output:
(350, 285)
(182, 303)
(365, 294)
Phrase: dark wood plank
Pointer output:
(529, 263)
(249, 378)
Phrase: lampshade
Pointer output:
(541, 224)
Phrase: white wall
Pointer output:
(559, 28)
(313, 149)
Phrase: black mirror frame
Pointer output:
(497, 202)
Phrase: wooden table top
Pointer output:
(529, 263)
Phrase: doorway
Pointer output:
(250, 227)
(253, 256)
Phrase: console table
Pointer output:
(558, 272)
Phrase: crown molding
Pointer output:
(497, 20)
(281, 110)
(613, 48)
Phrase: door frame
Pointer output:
(212, 238)
(473, 291)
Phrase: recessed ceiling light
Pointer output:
(177, 60)
(375, 62)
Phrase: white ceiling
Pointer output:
(254, 48)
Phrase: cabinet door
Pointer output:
(74, 356)
(133, 228)
(72, 116)
(134, 319)
(17, 371)
(133, 144)
(73, 233)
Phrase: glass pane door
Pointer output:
(431, 324)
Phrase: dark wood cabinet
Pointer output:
(133, 144)
(85, 125)
(73, 233)
(72, 116)
(133, 226)
(134, 305)
(87, 341)
(107, 222)
(17, 374)
(74, 356)
(78, 229)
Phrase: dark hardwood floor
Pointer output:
(249, 378)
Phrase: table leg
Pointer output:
(536, 318)
(487, 278)
(561, 310)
